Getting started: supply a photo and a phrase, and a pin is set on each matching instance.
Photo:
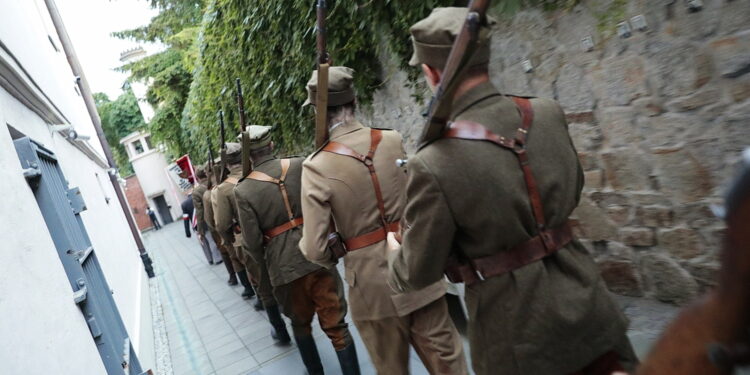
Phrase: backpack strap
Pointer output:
(546, 241)
(367, 239)
(280, 182)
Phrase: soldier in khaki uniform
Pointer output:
(536, 303)
(354, 180)
(209, 245)
(230, 261)
(227, 224)
(271, 218)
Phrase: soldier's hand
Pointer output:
(394, 243)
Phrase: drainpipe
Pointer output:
(88, 98)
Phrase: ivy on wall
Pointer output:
(270, 46)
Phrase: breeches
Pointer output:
(258, 274)
(431, 332)
(320, 292)
(229, 250)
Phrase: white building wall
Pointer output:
(47, 328)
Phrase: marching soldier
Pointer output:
(227, 224)
(230, 261)
(271, 218)
(354, 181)
(209, 245)
(488, 203)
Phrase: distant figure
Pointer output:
(187, 214)
(152, 216)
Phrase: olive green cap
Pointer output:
(260, 136)
(234, 153)
(340, 86)
(433, 38)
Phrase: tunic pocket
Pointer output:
(351, 278)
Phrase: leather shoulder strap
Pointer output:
(376, 136)
(260, 176)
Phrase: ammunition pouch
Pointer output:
(336, 245)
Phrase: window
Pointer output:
(148, 143)
(138, 147)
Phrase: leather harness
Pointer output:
(546, 242)
(280, 182)
(381, 233)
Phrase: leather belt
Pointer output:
(279, 230)
(371, 238)
(530, 251)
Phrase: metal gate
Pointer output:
(61, 208)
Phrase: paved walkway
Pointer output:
(211, 330)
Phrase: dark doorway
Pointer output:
(163, 209)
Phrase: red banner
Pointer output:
(188, 172)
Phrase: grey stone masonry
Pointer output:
(659, 120)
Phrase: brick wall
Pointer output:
(137, 202)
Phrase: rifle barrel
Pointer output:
(321, 29)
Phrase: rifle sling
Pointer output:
(379, 234)
(280, 182)
(546, 242)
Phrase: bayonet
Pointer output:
(223, 173)
(245, 138)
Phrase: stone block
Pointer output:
(618, 214)
(594, 179)
(696, 215)
(705, 96)
(620, 80)
(677, 68)
(605, 199)
(732, 54)
(617, 124)
(693, 25)
(739, 88)
(588, 160)
(586, 137)
(706, 273)
(592, 223)
(734, 16)
(681, 174)
(648, 106)
(621, 277)
(667, 281)
(672, 129)
(653, 216)
(573, 89)
(626, 169)
(683, 243)
(637, 237)
(644, 198)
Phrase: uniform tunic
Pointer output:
(553, 316)
(197, 196)
(301, 287)
(388, 322)
(224, 246)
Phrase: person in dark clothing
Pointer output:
(152, 216)
(187, 214)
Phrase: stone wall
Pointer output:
(658, 118)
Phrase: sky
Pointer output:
(90, 23)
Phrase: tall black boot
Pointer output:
(248, 292)
(258, 305)
(278, 327)
(228, 264)
(348, 360)
(309, 353)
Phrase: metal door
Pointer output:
(61, 208)
(163, 209)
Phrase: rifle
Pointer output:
(223, 173)
(210, 164)
(246, 167)
(463, 49)
(712, 336)
(324, 62)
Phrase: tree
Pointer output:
(119, 118)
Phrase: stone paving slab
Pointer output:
(211, 330)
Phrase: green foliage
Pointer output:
(509, 7)
(169, 72)
(119, 118)
(270, 46)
